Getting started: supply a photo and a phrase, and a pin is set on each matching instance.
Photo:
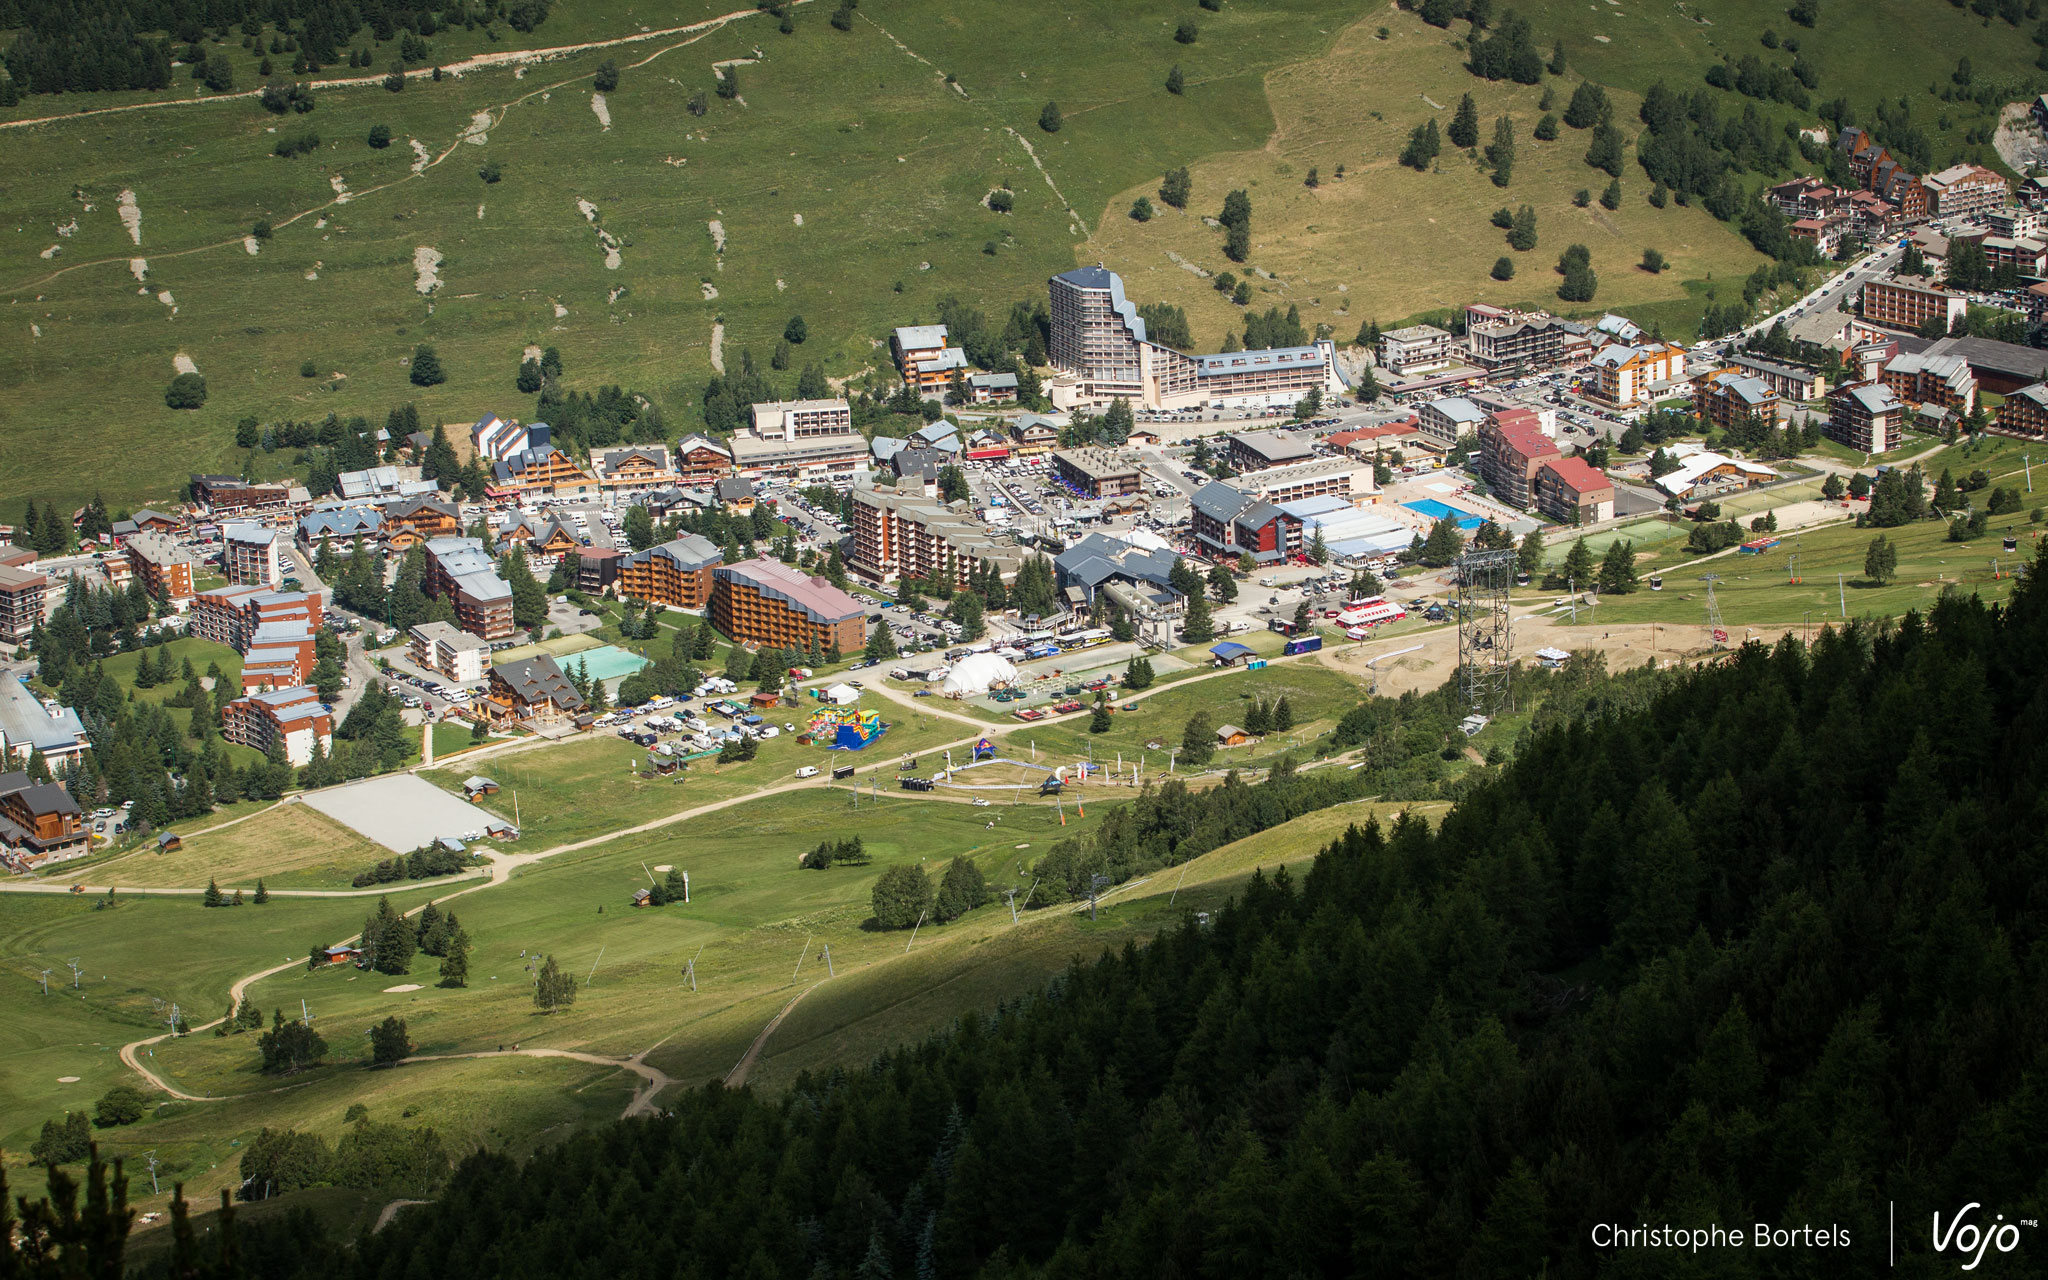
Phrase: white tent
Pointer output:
(842, 695)
(977, 673)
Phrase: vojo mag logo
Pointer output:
(1966, 1235)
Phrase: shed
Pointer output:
(1229, 735)
(477, 786)
(452, 845)
(642, 898)
(1230, 653)
(166, 841)
(501, 830)
(343, 954)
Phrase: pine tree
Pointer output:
(213, 897)
(1197, 627)
(1283, 715)
(1464, 130)
(1099, 721)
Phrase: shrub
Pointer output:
(380, 136)
(187, 391)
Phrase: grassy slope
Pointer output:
(887, 176)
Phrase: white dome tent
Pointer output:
(976, 674)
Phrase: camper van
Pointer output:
(808, 771)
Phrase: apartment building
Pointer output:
(906, 535)
(1035, 433)
(494, 439)
(1931, 378)
(410, 521)
(41, 820)
(2025, 412)
(1727, 397)
(1339, 477)
(293, 718)
(448, 649)
(1633, 374)
(1497, 338)
(766, 602)
(677, 573)
(280, 654)
(164, 566)
(1512, 447)
(252, 555)
(1257, 450)
(1963, 190)
(1415, 346)
(1098, 473)
(232, 615)
(923, 358)
(640, 466)
(699, 460)
(22, 592)
(1866, 417)
(1787, 382)
(1904, 304)
(800, 438)
(1445, 420)
(460, 570)
(232, 498)
(1098, 338)
(1572, 491)
(539, 469)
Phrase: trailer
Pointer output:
(1304, 644)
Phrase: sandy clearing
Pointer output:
(718, 347)
(426, 274)
(587, 209)
(69, 229)
(183, 363)
(164, 296)
(717, 234)
(252, 245)
(138, 267)
(561, 312)
(604, 113)
(479, 130)
(710, 291)
(799, 219)
(610, 244)
(53, 251)
(420, 155)
(403, 986)
(131, 216)
(341, 195)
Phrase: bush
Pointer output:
(1186, 32)
(491, 172)
(1504, 268)
(296, 145)
(426, 367)
(902, 897)
(380, 136)
(309, 370)
(1002, 200)
(607, 78)
(187, 391)
(122, 1104)
(1653, 261)
(1049, 119)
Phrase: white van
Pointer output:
(808, 771)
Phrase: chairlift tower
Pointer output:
(1714, 627)
(1792, 567)
(77, 970)
(1485, 635)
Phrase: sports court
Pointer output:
(401, 811)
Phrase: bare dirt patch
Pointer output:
(341, 195)
(183, 363)
(426, 269)
(138, 267)
(164, 296)
(717, 234)
(251, 245)
(403, 986)
(479, 130)
(131, 216)
(718, 348)
(604, 112)
(420, 155)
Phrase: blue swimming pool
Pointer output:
(1438, 510)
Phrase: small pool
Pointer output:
(607, 662)
(1438, 510)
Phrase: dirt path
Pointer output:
(479, 62)
(653, 1079)
(738, 1075)
(391, 1211)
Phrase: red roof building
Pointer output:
(1574, 491)
(1512, 446)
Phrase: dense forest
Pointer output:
(1759, 942)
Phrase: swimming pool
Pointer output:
(606, 662)
(1438, 510)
